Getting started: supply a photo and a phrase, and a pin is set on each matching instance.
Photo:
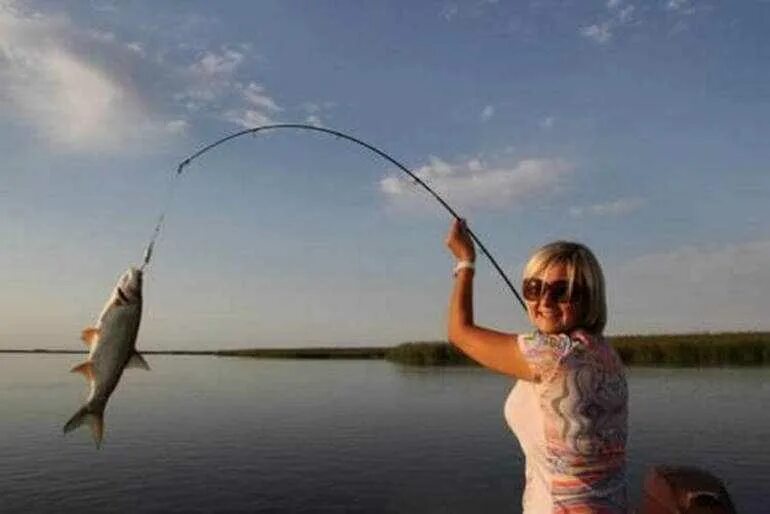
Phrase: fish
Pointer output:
(112, 349)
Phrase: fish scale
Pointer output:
(112, 349)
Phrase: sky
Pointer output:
(637, 128)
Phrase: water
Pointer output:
(206, 434)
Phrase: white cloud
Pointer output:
(487, 113)
(248, 118)
(721, 287)
(619, 15)
(218, 65)
(215, 71)
(473, 183)
(686, 7)
(547, 122)
(449, 11)
(75, 87)
(177, 126)
(316, 111)
(453, 9)
(256, 96)
(598, 32)
(675, 5)
(678, 27)
(314, 119)
(210, 80)
(259, 107)
(618, 207)
(136, 47)
(214, 89)
(625, 14)
(85, 90)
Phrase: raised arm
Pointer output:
(495, 350)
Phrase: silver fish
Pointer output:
(112, 349)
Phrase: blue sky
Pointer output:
(637, 128)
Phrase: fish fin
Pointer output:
(89, 336)
(86, 368)
(137, 361)
(95, 420)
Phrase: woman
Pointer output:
(569, 407)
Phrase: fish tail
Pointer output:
(91, 415)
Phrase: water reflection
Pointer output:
(208, 434)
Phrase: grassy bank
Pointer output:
(675, 350)
(428, 354)
(307, 353)
(695, 350)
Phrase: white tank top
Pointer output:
(525, 418)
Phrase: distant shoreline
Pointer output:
(672, 350)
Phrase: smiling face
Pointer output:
(548, 314)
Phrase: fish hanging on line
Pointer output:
(112, 349)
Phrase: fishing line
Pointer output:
(170, 188)
(300, 126)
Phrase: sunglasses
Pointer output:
(535, 289)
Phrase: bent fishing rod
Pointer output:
(300, 126)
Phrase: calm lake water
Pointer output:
(207, 434)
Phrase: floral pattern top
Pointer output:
(572, 424)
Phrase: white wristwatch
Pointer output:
(463, 265)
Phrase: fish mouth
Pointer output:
(122, 296)
(129, 287)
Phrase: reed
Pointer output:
(427, 354)
(674, 350)
(307, 353)
(695, 350)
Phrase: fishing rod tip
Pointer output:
(182, 166)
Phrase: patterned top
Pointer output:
(572, 425)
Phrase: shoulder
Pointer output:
(545, 352)
(566, 353)
(537, 342)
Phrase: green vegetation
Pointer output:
(307, 353)
(427, 354)
(695, 350)
(685, 350)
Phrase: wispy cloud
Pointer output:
(474, 183)
(259, 107)
(547, 122)
(449, 11)
(465, 10)
(76, 87)
(618, 15)
(619, 207)
(315, 112)
(598, 32)
(685, 7)
(216, 65)
(214, 88)
(487, 112)
(682, 11)
(87, 90)
(720, 287)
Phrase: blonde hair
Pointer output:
(584, 272)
